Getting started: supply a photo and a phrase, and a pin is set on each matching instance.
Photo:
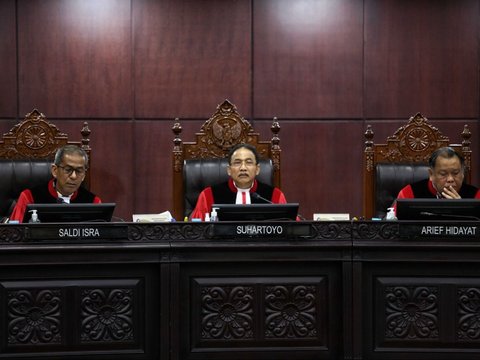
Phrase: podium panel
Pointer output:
(295, 290)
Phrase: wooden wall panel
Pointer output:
(153, 163)
(318, 173)
(6, 125)
(307, 58)
(153, 167)
(75, 58)
(324, 67)
(8, 59)
(421, 56)
(190, 55)
(114, 176)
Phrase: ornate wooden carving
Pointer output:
(262, 310)
(402, 295)
(291, 311)
(224, 129)
(468, 327)
(37, 138)
(411, 313)
(107, 315)
(227, 312)
(65, 314)
(165, 232)
(34, 317)
(411, 143)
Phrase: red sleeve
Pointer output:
(477, 195)
(204, 204)
(278, 197)
(24, 199)
(405, 193)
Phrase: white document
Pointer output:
(162, 217)
(331, 217)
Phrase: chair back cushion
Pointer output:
(391, 178)
(202, 173)
(18, 175)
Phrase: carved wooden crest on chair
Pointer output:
(27, 152)
(36, 138)
(224, 129)
(412, 143)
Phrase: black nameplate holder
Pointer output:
(84, 231)
(441, 230)
(248, 230)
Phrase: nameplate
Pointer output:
(439, 230)
(270, 230)
(77, 232)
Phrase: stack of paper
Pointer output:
(162, 217)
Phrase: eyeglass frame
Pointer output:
(246, 162)
(69, 170)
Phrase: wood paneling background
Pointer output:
(325, 68)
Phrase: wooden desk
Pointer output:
(362, 290)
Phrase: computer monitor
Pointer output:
(438, 209)
(256, 212)
(60, 213)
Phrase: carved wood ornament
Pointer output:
(411, 143)
(224, 129)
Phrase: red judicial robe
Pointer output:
(226, 193)
(424, 189)
(46, 194)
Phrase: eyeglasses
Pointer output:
(69, 170)
(239, 163)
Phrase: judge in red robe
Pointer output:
(243, 168)
(68, 171)
(446, 176)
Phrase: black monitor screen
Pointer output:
(438, 209)
(52, 213)
(256, 212)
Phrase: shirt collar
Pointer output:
(233, 187)
(53, 191)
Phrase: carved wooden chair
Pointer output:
(203, 162)
(26, 154)
(387, 168)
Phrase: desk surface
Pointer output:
(242, 231)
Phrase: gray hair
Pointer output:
(244, 146)
(67, 150)
(445, 152)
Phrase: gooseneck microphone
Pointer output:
(259, 197)
(451, 216)
(255, 195)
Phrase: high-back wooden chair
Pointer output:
(26, 154)
(402, 160)
(203, 162)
